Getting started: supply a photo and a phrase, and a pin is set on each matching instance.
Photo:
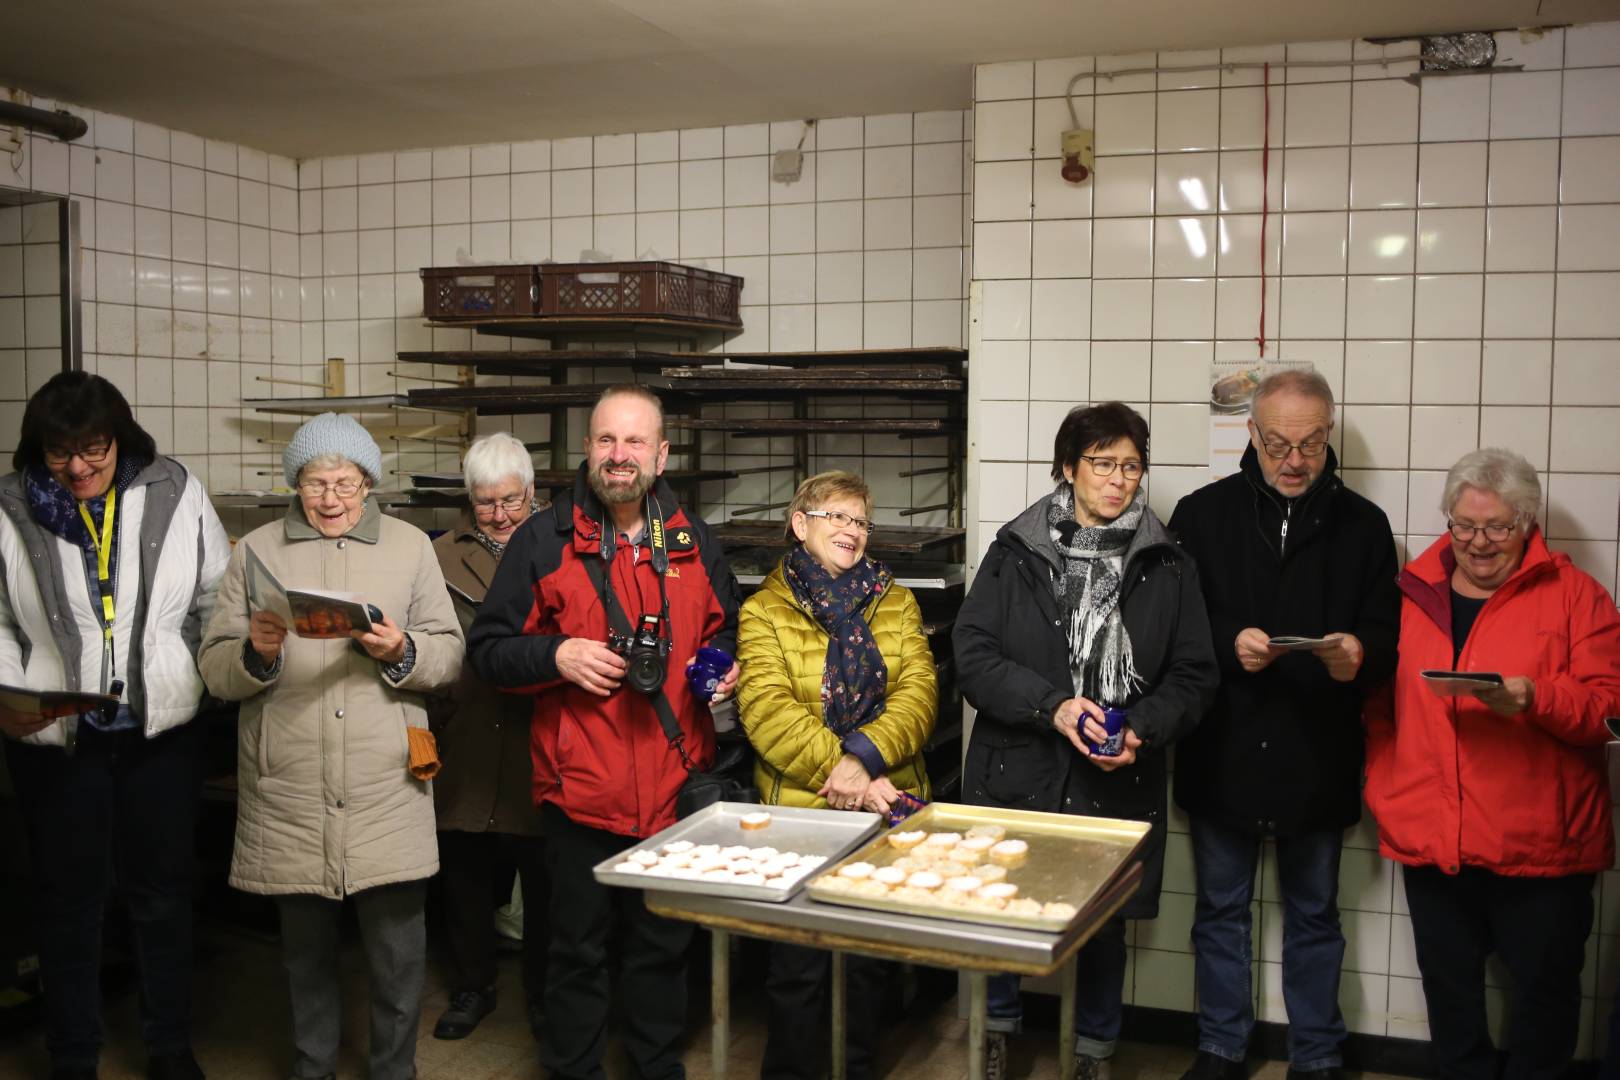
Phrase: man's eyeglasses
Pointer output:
(93, 454)
(317, 489)
(840, 520)
(511, 504)
(1104, 466)
(1494, 533)
(1281, 448)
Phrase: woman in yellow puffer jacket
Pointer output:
(838, 695)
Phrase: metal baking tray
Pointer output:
(1072, 859)
(830, 833)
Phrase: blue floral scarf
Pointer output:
(855, 676)
(57, 511)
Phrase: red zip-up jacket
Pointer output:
(604, 761)
(1453, 784)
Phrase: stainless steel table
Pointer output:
(976, 949)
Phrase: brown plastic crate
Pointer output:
(649, 289)
(479, 292)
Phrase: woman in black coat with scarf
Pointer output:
(1084, 602)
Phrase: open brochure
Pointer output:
(1460, 683)
(52, 704)
(311, 613)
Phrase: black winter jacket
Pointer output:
(1012, 663)
(1281, 751)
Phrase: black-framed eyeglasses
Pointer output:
(1281, 448)
(840, 520)
(1495, 533)
(511, 504)
(1104, 466)
(92, 454)
(343, 489)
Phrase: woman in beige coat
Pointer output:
(328, 807)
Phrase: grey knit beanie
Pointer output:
(332, 433)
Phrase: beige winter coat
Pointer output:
(326, 804)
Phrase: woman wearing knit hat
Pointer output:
(329, 805)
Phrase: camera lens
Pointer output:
(645, 671)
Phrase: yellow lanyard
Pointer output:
(103, 545)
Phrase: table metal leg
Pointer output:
(978, 998)
(720, 998)
(840, 1064)
(1066, 1021)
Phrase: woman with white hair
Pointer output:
(1495, 798)
(329, 804)
(483, 797)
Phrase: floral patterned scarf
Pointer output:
(855, 676)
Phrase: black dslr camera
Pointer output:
(646, 652)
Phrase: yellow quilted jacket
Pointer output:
(783, 652)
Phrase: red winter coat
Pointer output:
(1454, 784)
(605, 762)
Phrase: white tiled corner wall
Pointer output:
(1448, 256)
(189, 280)
(865, 250)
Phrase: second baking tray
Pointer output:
(828, 833)
(1072, 859)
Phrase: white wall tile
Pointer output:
(1188, 183)
(1519, 305)
(1449, 306)
(1584, 439)
(1455, 109)
(1590, 170)
(1383, 177)
(1586, 306)
(1450, 241)
(1452, 174)
(1383, 111)
(1592, 101)
(1589, 237)
(1317, 115)
(1525, 105)
(1586, 373)
(1121, 186)
(1188, 121)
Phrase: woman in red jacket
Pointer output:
(1497, 799)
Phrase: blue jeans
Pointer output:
(1099, 1000)
(1313, 943)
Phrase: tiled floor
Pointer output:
(241, 1032)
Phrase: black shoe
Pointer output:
(467, 1008)
(181, 1066)
(1332, 1072)
(74, 1072)
(1208, 1066)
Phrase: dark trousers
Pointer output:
(798, 991)
(393, 934)
(473, 873)
(652, 963)
(1539, 928)
(1099, 994)
(121, 807)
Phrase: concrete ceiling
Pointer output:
(312, 77)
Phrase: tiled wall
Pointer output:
(30, 305)
(865, 250)
(190, 284)
(1448, 256)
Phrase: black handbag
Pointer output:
(730, 779)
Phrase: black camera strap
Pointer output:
(596, 567)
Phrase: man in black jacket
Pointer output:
(1283, 549)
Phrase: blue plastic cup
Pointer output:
(1114, 745)
(707, 670)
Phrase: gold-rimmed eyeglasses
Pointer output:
(511, 505)
(840, 520)
(343, 489)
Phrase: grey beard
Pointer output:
(635, 492)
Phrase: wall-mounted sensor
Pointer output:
(1079, 159)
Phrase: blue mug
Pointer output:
(707, 670)
(1114, 745)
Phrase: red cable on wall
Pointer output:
(1265, 203)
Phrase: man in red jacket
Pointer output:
(605, 774)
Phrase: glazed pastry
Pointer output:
(994, 832)
(1023, 906)
(890, 875)
(963, 885)
(1058, 911)
(675, 847)
(1010, 853)
(643, 858)
(757, 820)
(943, 840)
(905, 841)
(925, 879)
(810, 862)
(834, 884)
(749, 879)
(1000, 890)
(990, 873)
(630, 867)
(858, 871)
